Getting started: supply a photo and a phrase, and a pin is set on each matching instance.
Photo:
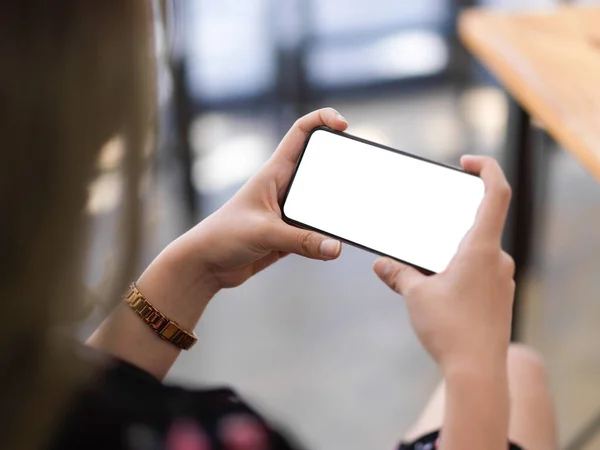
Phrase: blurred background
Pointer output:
(324, 348)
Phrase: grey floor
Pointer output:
(327, 351)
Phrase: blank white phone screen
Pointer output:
(410, 209)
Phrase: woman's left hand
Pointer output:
(242, 238)
(247, 234)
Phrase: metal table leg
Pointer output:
(519, 167)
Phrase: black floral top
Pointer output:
(128, 409)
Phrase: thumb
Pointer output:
(399, 277)
(289, 239)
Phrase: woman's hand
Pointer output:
(248, 234)
(462, 316)
(242, 238)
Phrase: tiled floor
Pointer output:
(326, 350)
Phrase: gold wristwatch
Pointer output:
(167, 329)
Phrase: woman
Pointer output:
(77, 75)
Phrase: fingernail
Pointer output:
(384, 267)
(330, 248)
(341, 118)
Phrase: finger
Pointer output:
(285, 238)
(399, 277)
(290, 147)
(493, 210)
(283, 162)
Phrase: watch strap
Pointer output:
(166, 328)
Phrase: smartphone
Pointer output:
(382, 200)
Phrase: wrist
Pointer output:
(476, 368)
(178, 285)
(477, 404)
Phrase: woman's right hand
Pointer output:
(463, 315)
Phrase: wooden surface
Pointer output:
(550, 63)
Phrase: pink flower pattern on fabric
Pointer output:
(185, 434)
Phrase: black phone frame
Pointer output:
(347, 241)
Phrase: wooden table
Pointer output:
(550, 64)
